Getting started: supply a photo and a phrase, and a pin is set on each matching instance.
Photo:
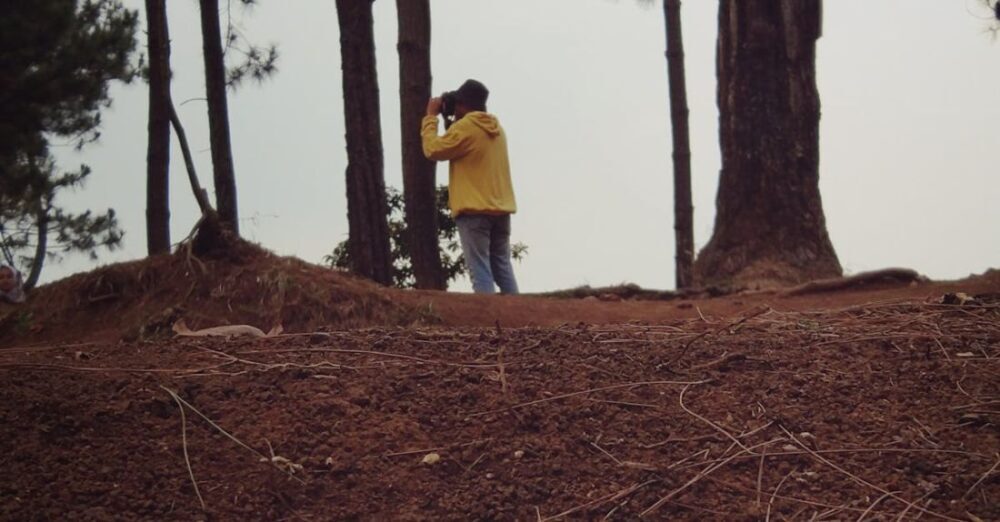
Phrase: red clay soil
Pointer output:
(473, 310)
(875, 404)
(142, 299)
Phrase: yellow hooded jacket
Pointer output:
(479, 172)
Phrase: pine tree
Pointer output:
(414, 46)
(158, 150)
(683, 209)
(224, 173)
(59, 58)
(367, 210)
(769, 225)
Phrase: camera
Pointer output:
(448, 102)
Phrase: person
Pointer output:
(480, 192)
(11, 286)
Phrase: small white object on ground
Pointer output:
(431, 458)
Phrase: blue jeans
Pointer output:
(486, 244)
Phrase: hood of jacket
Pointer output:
(486, 121)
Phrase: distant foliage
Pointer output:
(33, 228)
(253, 62)
(452, 259)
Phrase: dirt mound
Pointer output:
(142, 299)
(991, 276)
(882, 412)
(245, 284)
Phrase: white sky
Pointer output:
(908, 139)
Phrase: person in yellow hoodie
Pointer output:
(480, 192)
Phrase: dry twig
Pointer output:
(761, 311)
(871, 506)
(184, 445)
(603, 500)
(702, 474)
(862, 481)
(982, 478)
(584, 392)
(716, 427)
(770, 502)
(229, 435)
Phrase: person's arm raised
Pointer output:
(454, 143)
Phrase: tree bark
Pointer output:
(158, 149)
(683, 209)
(769, 227)
(367, 209)
(41, 246)
(218, 116)
(414, 47)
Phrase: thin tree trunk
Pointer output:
(218, 116)
(367, 209)
(414, 47)
(7, 254)
(200, 195)
(769, 225)
(41, 247)
(683, 209)
(158, 149)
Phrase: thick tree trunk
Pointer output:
(367, 209)
(769, 226)
(414, 48)
(218, 116)
(158, 149)
(683, 209)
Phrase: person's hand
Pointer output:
(434, 106)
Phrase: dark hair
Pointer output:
(473, 94)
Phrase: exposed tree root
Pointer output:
(901, 276)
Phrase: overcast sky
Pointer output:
(909, 141)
